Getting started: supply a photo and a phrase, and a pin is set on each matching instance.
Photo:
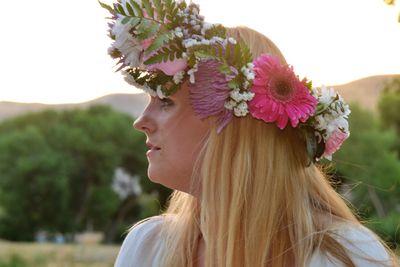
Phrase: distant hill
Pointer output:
(364, 91)
(132, 104)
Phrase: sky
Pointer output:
(56, 51)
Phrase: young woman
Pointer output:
(238, 142)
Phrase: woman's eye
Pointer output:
(166, 102)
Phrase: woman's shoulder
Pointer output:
(141, 244)
(361, 244)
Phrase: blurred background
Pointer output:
(72, 168)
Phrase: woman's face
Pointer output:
(175, 136)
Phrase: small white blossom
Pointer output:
(241, 109)
(178, 77)
(217, 39)
(197, 27)
(230, 104)
(232, 40)
(160, 93)
(206, 27)
(250, 76)
(191, 73)
(249, 96)
(236, 95)
(327, 95)
(246, 84)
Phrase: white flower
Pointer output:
(160, 93)
(241, 109)
(189, 42)
(178, 77)
(197, 27)
(327, 95)
(217, 39)
(232, 40)
(191, 73)
(339, 123)
(129, 46)
(150, 91)
(230, 104)
(250, 76)
(206, 26)
(236, 95)
(248, 96)
(321, 122)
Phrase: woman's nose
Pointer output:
(144, 124)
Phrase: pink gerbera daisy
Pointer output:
(279, 94)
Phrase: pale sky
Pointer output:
(56, 51)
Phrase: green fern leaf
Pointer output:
(137, 8)
(149, 9)
(134, 21)
(130, 9)
(109, 8)
(159, 41)
(125, 20)
(120, 9)
(147, 29)
(160, 10)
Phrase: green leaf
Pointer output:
(109, 8)
(137, 7)
(147, 29)
(227, 51)
(149, 9)
(159, 41)
(130, 9)
(233, 83)
(160, 10)
(225, 68)
(157, 58)
(120, 9)
(134, 21)
(165, 54)
(126, 20)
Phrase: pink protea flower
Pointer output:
(279, 95)
(209, 93)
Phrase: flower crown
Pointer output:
(162, 43)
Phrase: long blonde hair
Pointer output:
(259, 205)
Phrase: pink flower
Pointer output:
(334, 142)
(279, 94)
(209, 93)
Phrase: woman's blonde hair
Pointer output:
(259, 205)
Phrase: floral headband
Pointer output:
(162, 43)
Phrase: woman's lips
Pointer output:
(152, 149)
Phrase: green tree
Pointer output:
(369, 165)
(389, 109)
(57, 168)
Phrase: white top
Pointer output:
(141, 247)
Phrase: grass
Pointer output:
(53, 255)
